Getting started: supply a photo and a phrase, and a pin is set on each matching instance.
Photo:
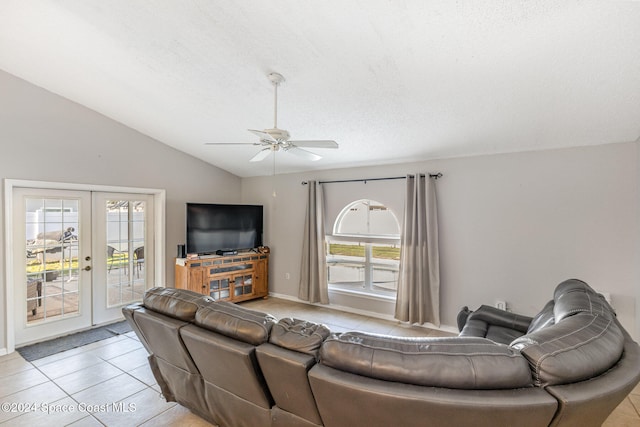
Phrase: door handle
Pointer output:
(87, 268)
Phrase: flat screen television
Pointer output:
(214, 227)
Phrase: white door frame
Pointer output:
(159, 197)
(62, 323)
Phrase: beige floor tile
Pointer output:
(116, 349)
(21, 381)
(177, 416)
(337, 328)
(617, 419)
(58, 356)
(144, 374)
(9, 356)
(75, 351)
(59, 413)
(102, 343)
(135, 409)
(377, 326)
(131, 360)
(13, 365)
(87, 421)
(65, 366)
(29, 398)
(87, 377)
(439, 333)
(626, 408)
(410, 331)
(109, 391)
(635, 402)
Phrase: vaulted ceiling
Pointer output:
(390, 81)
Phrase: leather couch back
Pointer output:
(165, 311)
(575, 296)
(543, 319)
(177, 303)
(299, 335)
(236, 322)
(290, 354)
(222, 342)
(457, 363)
(159, 322)
(583, 341)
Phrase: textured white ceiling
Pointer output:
(390, 81)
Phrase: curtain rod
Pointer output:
(431, 175)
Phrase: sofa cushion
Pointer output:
(497, 325)
(299, 335)
(495, 316)
(502, 335)
(177, 303)
(234, 321)
(579, 347)
(459, 362)
(575, 296)
(543, 319)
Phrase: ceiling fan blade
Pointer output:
(264, 136)
(304, 153)
(315, 144)
(231, 143)
(262, 154)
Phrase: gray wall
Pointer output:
(512, 226)
(45, 137)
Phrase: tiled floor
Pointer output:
(110, 383)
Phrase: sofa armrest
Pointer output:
(128, 311)
(496, 317)
(462, 317)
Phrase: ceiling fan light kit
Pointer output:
(276, 139)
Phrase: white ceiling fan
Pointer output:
(278, 139)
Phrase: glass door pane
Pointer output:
(125, 221)
(52, 259)
(123, 252)
(52, 277)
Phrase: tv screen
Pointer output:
(213, 227)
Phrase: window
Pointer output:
(363, 251)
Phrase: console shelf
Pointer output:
(226, 278)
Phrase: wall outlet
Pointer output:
(502, 305)
(287, 276)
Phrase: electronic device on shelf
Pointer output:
(226, 252)
(214, 228)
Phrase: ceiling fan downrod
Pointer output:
(276, 79)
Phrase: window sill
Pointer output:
(361, 294)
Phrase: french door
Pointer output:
(79, 256)
(124, 230)
(52, 262)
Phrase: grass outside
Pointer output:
(380, 252)
(35, 266)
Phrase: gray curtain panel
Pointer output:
(313, 270)
(418, 299)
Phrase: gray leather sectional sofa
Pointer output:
(570, 365)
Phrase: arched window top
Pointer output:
(367, 218)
